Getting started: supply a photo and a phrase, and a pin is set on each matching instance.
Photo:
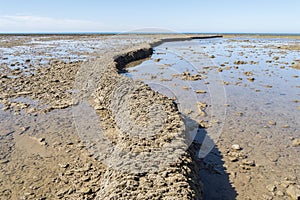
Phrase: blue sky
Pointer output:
(268, 16)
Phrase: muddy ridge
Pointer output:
(137, 179)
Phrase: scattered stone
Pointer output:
(271, 188)
(251, 79)
(85, 190)
(200, 91)
(202, 104)
(236, 147)
(279, 193)
(272, 123)
(240, 62)
(64, 165)
(248, 73)
(268, 86)
(296, 142)
(233, 159)
(248, 162)
(4, 161)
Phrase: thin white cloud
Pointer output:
(29, 23)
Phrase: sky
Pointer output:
(210, 16)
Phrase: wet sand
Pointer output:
(46, 148)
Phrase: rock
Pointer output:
(212, 56)
(64, 165)
(236, 147)
(85, 190)
(286, 126)
(251, 79)
(233, 159)
(272, 123)
(248, 162)
(279, 193)
(202, 105)
(4, 161)
(240, 62)
(200, 91)
(296, 142)
(248, 73)
(294, 192)
(271, 188)
(99, 107)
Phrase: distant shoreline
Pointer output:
(148, 33)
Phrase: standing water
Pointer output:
(245, 94)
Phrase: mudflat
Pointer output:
(77, 123)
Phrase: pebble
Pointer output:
(4, 161)
(236, 147)
(272, 123)
(296, 142)
(271, 188)
(64, 165)
(248, 162)
(200, 91)
(279, 193)
(285, 126)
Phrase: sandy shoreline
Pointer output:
(45, 152)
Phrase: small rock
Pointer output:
(4, 161)
(248, 162)
(271, 188)
(233, 159)
(294, 192)
(240, 62)
(212, 56)
(251, 79)
(64, 165)
(99, 107)
(236, 147)
(85, 190)
(296, 142)
(279, 193)
(200, 91)
(272, 123)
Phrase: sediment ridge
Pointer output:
(135, 177)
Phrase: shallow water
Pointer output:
(31, 52)
(254, 104)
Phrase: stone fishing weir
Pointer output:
(135, 178)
